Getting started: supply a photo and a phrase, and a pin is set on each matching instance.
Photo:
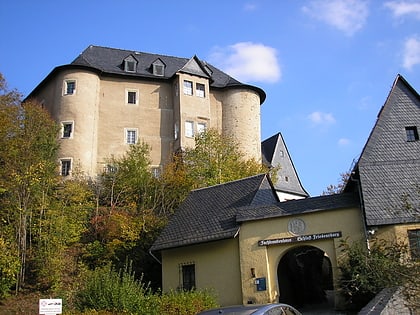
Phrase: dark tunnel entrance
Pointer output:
(304, 274)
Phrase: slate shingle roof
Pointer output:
(389, 166)
(270, 149)
(298, 206)
(109, 61)
(209, 214)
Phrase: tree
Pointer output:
(28, 149)
(217, 159)
(336, 189)
(127, 219)
(364, 273)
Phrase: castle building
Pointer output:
(252, 247)
(107, 99)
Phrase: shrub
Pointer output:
(364, 273)
(108, 292)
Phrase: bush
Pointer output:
(365, 273)
(107, 292)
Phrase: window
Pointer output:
(176, 131)
(188, 277)
(156, 171)
(188, 87)
(158, 70)
(412, 133)
(65, 167)
(414, 241)
(189, 129)
(67, 129)
(129, 66)
(110, 169)
(69, 87)
(201, 127)
(131, 97)
(131, 136)
(200, 90)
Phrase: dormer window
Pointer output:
(412, 133)
(130, 64)
(158, 68)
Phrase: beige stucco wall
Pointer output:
(242, 120)
(265, 259)
(152, 117)
(216, 268)
(100, 114)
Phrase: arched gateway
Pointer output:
(304, 275)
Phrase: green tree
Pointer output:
(217, 159)
(127, 219)
(28, 173)
(336, 189)
(364, 273)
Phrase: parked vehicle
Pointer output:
(266, 309)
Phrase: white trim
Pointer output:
(126, 130)
(189, 129)
(65, 86)
(128, 90)
(69, 159)
(67, 122)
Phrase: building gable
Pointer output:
(275, 154)
(389, 166)
(209, 214)
(194, 67)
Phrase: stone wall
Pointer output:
(389, 301)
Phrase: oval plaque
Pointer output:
(296, 226)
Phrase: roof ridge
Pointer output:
(138, 52)
(230, 182)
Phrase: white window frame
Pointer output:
(66, 87)
(200, 90)
(127, 138)
(189, 129)
(63, 124)
(128, 64)
(176, 130)
(156, 171)
(68, 171)
(127, 91)
(158, 70)
(188, 87)
(201, 127)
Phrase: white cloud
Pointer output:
(348, 16)
(247, 61)
(250, 7)
(343, 142)
(320, 118)
(411, 53)
(403, 8)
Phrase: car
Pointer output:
(254, 309)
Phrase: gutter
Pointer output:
(154, 257)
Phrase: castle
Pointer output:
(108, 99)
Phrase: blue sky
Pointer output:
(326, 66)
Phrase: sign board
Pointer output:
(50, 306)
(301, 238)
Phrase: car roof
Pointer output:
(244, 309)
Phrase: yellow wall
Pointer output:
(394, 233)
(216, 267)
(265, 259)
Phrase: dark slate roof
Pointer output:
(110, 61)
(298, 206)
(209, 214)
(271, 150)
(389, 166)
